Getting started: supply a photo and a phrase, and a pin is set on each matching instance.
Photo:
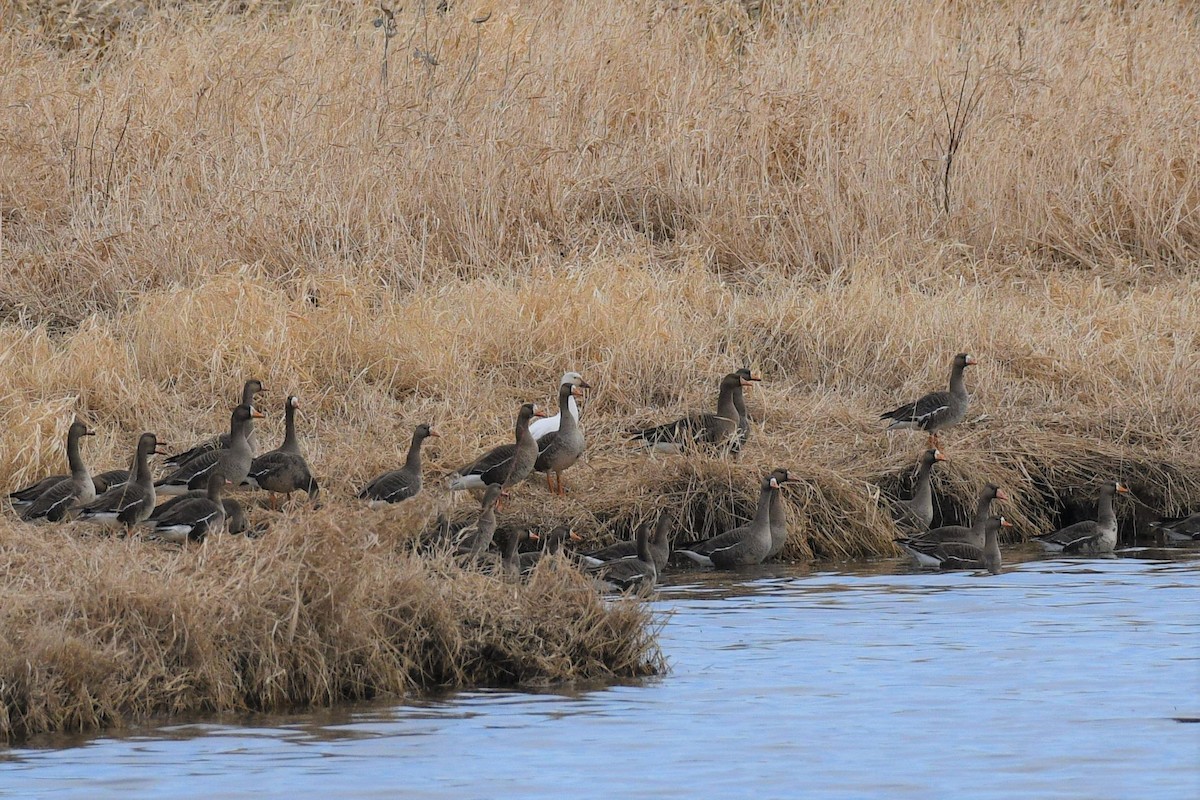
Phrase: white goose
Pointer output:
(539, 428)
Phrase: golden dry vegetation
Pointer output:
(433, 226)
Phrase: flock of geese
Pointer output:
(200, 477)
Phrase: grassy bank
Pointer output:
(652, 194)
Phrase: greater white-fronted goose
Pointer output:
(744, 545)
(400, 484)
(722, 430)
(284, 470)
(962, 555)
(1089, 537)
(481, 533)
(235, 515)
(560, 449)
(221, 441)
(916, 513)
(193, 518)
(507, 464)
(552, 543)
(748, 377)
(973, 535)
(778, 513)
(56, 502)
(660, 545)
(935, 411)
(1179, 529)
(234, 461)
(26, 495)
(639, 574)
(131, 502)
(508, 563)
(540, 427)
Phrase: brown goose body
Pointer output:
(57, 502)
(192, 518)
(284, 470)
(400, 484)
(660, 545)
(744, 545)
(484, 529)
(637, 574)
(973, 535)
(1179, 529)
(559, 450)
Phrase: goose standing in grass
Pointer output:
(485, 526)
(132, 502)
(234, 461)
(235, 515)
(660, 545)
(552, 544)
(25, 496)
(540, 427)
(935, 411)
(221, 442)
(56, 501)
(744, 545)
(192, 518)
(963, 555)
(722, 429)
(559, 450)
(284, 470)
(916, 513)
(974, 534)
(507, 464)
(1179, 529)
(739, 402)
(639, 574)
(1089, 537)
(400, 484)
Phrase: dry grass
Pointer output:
(650, 193)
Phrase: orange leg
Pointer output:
(549, 486)
(562, 490)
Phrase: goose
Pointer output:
(559, 450)
(974, 534)
(639, 574)
(739, 402)
(234, 461)
(744, 545)
(110, 479)
(235, 515)
(778, 513)
(26, 496)
(722, 429)
(132, 502)
(916, 513)
(284, 470)
(485, 526)
(660, 545)
(400, 484)
(1179, 529)
(935, 411)
(221, 441)
(551, 545)
(56, 502)
(508, 563)
(507, 464)
(1089, 537)
(963, 555)
(191, 519)
(540, 427)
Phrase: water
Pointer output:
(1056, 679)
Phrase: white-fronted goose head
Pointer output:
(1089, 537)
(250, 388)
(507, 464)
(132, 502)
(234, 461)
(560, 449)
(721, 431)
(400, 484)
(193, 518)
(540, 427)
(56, 502)
(935, 411)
